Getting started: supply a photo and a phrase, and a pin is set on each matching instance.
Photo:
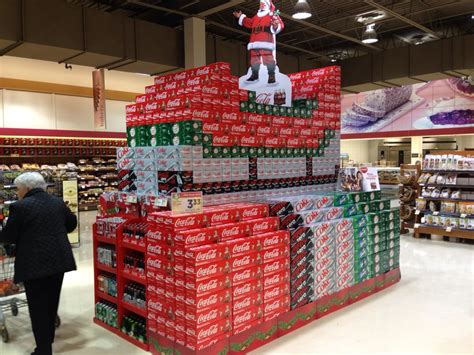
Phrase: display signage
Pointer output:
(359, 179)
(435, 108)
(186, 202)
(98, 88)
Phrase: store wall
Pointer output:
(32, 110)
(358, 150)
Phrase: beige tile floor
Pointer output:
(430, 311)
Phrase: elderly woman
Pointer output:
(38, 225)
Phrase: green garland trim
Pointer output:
(298, 316)
(259, 335)
(162, 349)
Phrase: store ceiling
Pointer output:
(331, 32)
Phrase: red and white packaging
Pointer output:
(208, 335)
(247, 274)
(325, 274)
(344, 281)
(324, 240)
(276, 265)
(324, 263)
(325, 288)
(218, 216)
(326, 251)
(243, 303)
(345, 246)
(263, 225)
(345, 235)
(208, 315)
(252, 211)
(280, 290)
(276, 278)
(196, 288)
(343, 225)
(247, 316)
(343, 258)
(277, 305)
(279, 251)
(239, 246)
(204, 254)
(182, 221)
(205, 271)
(346, 268)
(194, 237)
(244, 261)
(272, 239)
(232, 231)
(246, 288)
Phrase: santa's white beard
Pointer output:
(263, 12)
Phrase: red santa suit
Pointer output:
(264, 26)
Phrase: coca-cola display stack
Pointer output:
(196, 131)
(216, 273)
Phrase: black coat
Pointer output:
(38, 226)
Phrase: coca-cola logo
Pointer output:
(242, 290)
(296, 77)
(231, 232)
(150, 89)
(264, 98)
(131, 109)
(341, 281)
(207, 271)
(155, 305)
(203, 71)
(201, 114)
(173, 103)
(264, 130)
(323, 251)
(279, 120)
(270, 307)
(193, 81)
(322, 264)
(185, 222)
(342, 225)
(243, 275)
(207, 317)
(206, 333)
(303, 204)
(273, 280)
(243, 261)
(205, 287)
(161, 96)
(293, 141)
(262, 226)
(171, 86)
(154, 263)
(323, 228)
(140, 99)
(286, 131)
(159, 80)
(272, 293)
(211, 127)
(322, 202)
(220, 217)
(155, 235)
(206, 302)
(194, 238)
(154, 249)
(221, 140)
(244, 303)
(230, 116)
(206, 256)
(272, 254)
(272, 267)
(210, 90)
(271, 241)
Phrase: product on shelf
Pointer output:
(107, 255)
(448, 162)
(135, 327)
(107, 313)
(107, 285)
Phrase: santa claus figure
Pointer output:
(265, 25)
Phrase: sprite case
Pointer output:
(393, 234)
(260, 108)
(359, 221)
(252, 96)
(393, 214)
(374, 195)
(275, 111)
(268, 109)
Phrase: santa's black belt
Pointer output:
(260, 29)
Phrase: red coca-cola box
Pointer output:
(182, 221)
(199, 288)
(159, 249)
(276, 291)
(276, 252)
(246, 302)
(195, 237)
(263, 225)
(220, 215)
(204, 254)
(249, 211)
(204, 316)
(276, 265)
(239, 246)
(246, 326)
(208, 335)
(244, 261)
(246, 274)
(196, 273)
(280, 305)
(232, 231)
(246, 288)
(247, 316)
(272, 239)
(276, 278)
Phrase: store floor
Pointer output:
(430, 311)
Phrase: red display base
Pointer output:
(122, 335)
(285, 323)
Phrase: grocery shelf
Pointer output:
(455, 232)
(448, 185)
(122, 335)
(106, 296)
(132, 308)
(449, 171)
(132, 277)
(103, 239)
(106, 268)
(445, 199)
(136, 247)
(446, 214)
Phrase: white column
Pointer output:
(416, 148)
(194, 42)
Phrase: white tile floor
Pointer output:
(430, 311)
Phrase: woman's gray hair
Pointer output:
(31, 181)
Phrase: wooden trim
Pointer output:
(52, 88)
(28, 132)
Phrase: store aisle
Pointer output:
(431, 311)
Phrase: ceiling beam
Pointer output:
(159, 8)
(225, 6)
(331, 32)
(402, 18)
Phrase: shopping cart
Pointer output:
(12, 296)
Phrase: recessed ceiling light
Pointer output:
(302, 10)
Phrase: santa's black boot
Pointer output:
(271, 73)
(254, 77)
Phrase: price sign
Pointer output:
(417, 212)
(449, 229)
(435, 213)
(417, 225)
(186, 202)
(463, 215)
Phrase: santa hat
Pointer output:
(269, 5)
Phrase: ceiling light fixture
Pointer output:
(302, 10)
(370, 36)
